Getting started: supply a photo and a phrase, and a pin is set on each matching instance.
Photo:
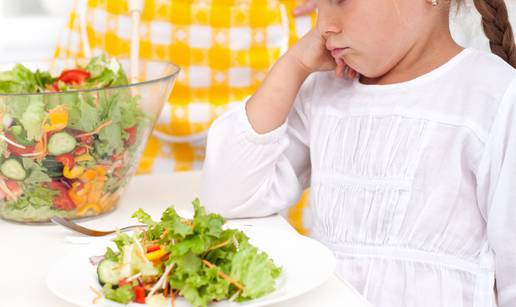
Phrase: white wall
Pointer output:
(29, 29)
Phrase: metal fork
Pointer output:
(90, 232)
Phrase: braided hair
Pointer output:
(497, 27)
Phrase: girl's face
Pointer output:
(373, 36)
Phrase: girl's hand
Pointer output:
(311, 54)
(306, 8)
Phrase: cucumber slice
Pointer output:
(53, 167)
(61, 143)
(13, 169)
(107, 272)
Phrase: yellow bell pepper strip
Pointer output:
(108, 201)
(88, 175)
(101, 171)
(156, 255)
(78, 199)
(57, 119)
(74, 172)
(84, 157)
(91, 206)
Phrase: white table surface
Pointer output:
(27, 251)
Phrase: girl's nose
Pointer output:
(327, 22)
(328, 28)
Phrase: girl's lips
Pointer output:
(337, 52)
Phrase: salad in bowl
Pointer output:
(70, 141)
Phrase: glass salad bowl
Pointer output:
(72, 132)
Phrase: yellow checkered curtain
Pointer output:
(224, 48)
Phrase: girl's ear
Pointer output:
(497, 27)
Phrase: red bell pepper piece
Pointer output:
(152, 248)
(131, 139)
(139, 293)
(17, 150)
(67, 160)
(61, 201)
(80, 151)
(74, 76)
(85, 139)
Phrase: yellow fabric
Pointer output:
(224, 48)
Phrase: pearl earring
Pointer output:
(435, 2)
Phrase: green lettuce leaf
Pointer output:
(29, 111)
(111, 255)
(171, 221)
(121, 240)
(110, 140)
(208, 224)
(35, 196)
(33, 117)
(83, 114)
(143, 217)
(255, 270)
(20, 79)
(202, 287)
(123, 295)
(106, 72)
(3, 149)
(37, 173)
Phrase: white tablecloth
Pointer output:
(27, 251)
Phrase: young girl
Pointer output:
(412, 166)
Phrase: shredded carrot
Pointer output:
(164, 234)
(172, 298)
(219, 245)
(97, 293)
(165, 290)
(144, 240)
(187, 222)
(223, 275)
(97, 130)
(41, 148)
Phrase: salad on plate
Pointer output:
(68, 142)
(199, 259)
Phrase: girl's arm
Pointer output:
(247, 174)
(269, 107)
(497, 196)
(257, 164)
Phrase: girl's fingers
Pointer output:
(344, 71)
(340, 70)
(306, 8)
(352, 74)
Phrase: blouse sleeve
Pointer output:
(497, 196)
(247, 174)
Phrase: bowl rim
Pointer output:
(175, 71)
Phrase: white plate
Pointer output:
(306, 265)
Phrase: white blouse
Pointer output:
(413, 185)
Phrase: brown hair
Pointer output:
(497, 27)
